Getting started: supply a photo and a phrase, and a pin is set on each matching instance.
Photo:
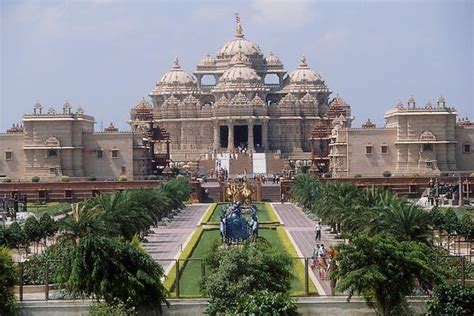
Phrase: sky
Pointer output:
(106, 55)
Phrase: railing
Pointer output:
(187, 273)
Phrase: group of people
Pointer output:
(274, 178)
(321, 257)
(12, 207)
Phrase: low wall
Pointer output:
(306, 306)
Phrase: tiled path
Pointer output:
(167, 241)
(301, 229)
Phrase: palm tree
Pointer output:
(305, 190)
(84, 220)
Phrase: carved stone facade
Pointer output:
(231, 102)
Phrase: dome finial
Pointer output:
(238, 27)
(303, 61)
(176, 62)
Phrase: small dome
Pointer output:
(441, 99)
(239, 44)
(240, 73)
(208, 60)
(177, 76)
(272, 60)
(304, 74)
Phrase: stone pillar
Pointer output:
(230, 142)
(250, 134)
(217, 140)
(265, 134)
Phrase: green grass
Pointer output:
(192, 272)
(264, 214)
(52, 209)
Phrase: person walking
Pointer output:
(317, 229)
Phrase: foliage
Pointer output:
(466, 227)
(105, 309)
(305, 189)
(64, 178)
(382, 270)
(115, 271)
(357, 175)
(451, 222)
(32, 230)
(15, 237)
(152, 177)
(387, 174)
(91, 178)
(8, 280)
(122, 177)
(35, 179)
(238, 275)
(47, 226)
(6, 180)
(452, 299)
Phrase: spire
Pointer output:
(238, 26)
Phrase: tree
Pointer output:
(83, 221)
(451, 224)
(115, 271)
(466, 228)
(8, 280)
(382, 270)
(32, 231)
(305, 190)
(16, 237)
(438, 221)
(240, 279)
(452, 299)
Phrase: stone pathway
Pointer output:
(166, 242)
(301, 229)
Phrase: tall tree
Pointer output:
(383, 270)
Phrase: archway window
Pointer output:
(427, 147)
(272, 79)
(208, 80)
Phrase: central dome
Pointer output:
(177, 76)
(238, 44)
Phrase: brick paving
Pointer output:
(166, 241)
(301, 229)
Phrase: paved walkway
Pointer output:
(301, 229)
(167, 241)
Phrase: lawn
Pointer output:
(262, 211)
(52, 209)
(193, 270)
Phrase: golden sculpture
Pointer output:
(240, 191)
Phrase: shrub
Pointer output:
(357, 175)
(472, 174)
(6, 180)
(328, 175)
(152, 177)
(452, 299)
(64, 178)
(35, 179)
(387, 174)
(91, 178)
(122, 177)
(105, 309)
(7, 281)
(414, 175)
(444, 174)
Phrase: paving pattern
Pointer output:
(301, 228)
(166, 241)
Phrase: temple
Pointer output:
(240, 102)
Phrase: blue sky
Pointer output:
(106, 55)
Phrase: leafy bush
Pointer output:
(91, 178)
(444, 174)
(387, 174)
(64, 178)
(253, 279)
(328, 175)
(6, 180)
(414, 175)
(122, 177)
(357, 175)
(152, 177)
(105, 309)
(35, 179)
(452, 299)
(8, 280)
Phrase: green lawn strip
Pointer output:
(264, 212)
(171, 277)
(281, 241)
(209, 212)
(192, 273)
(52, 209)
